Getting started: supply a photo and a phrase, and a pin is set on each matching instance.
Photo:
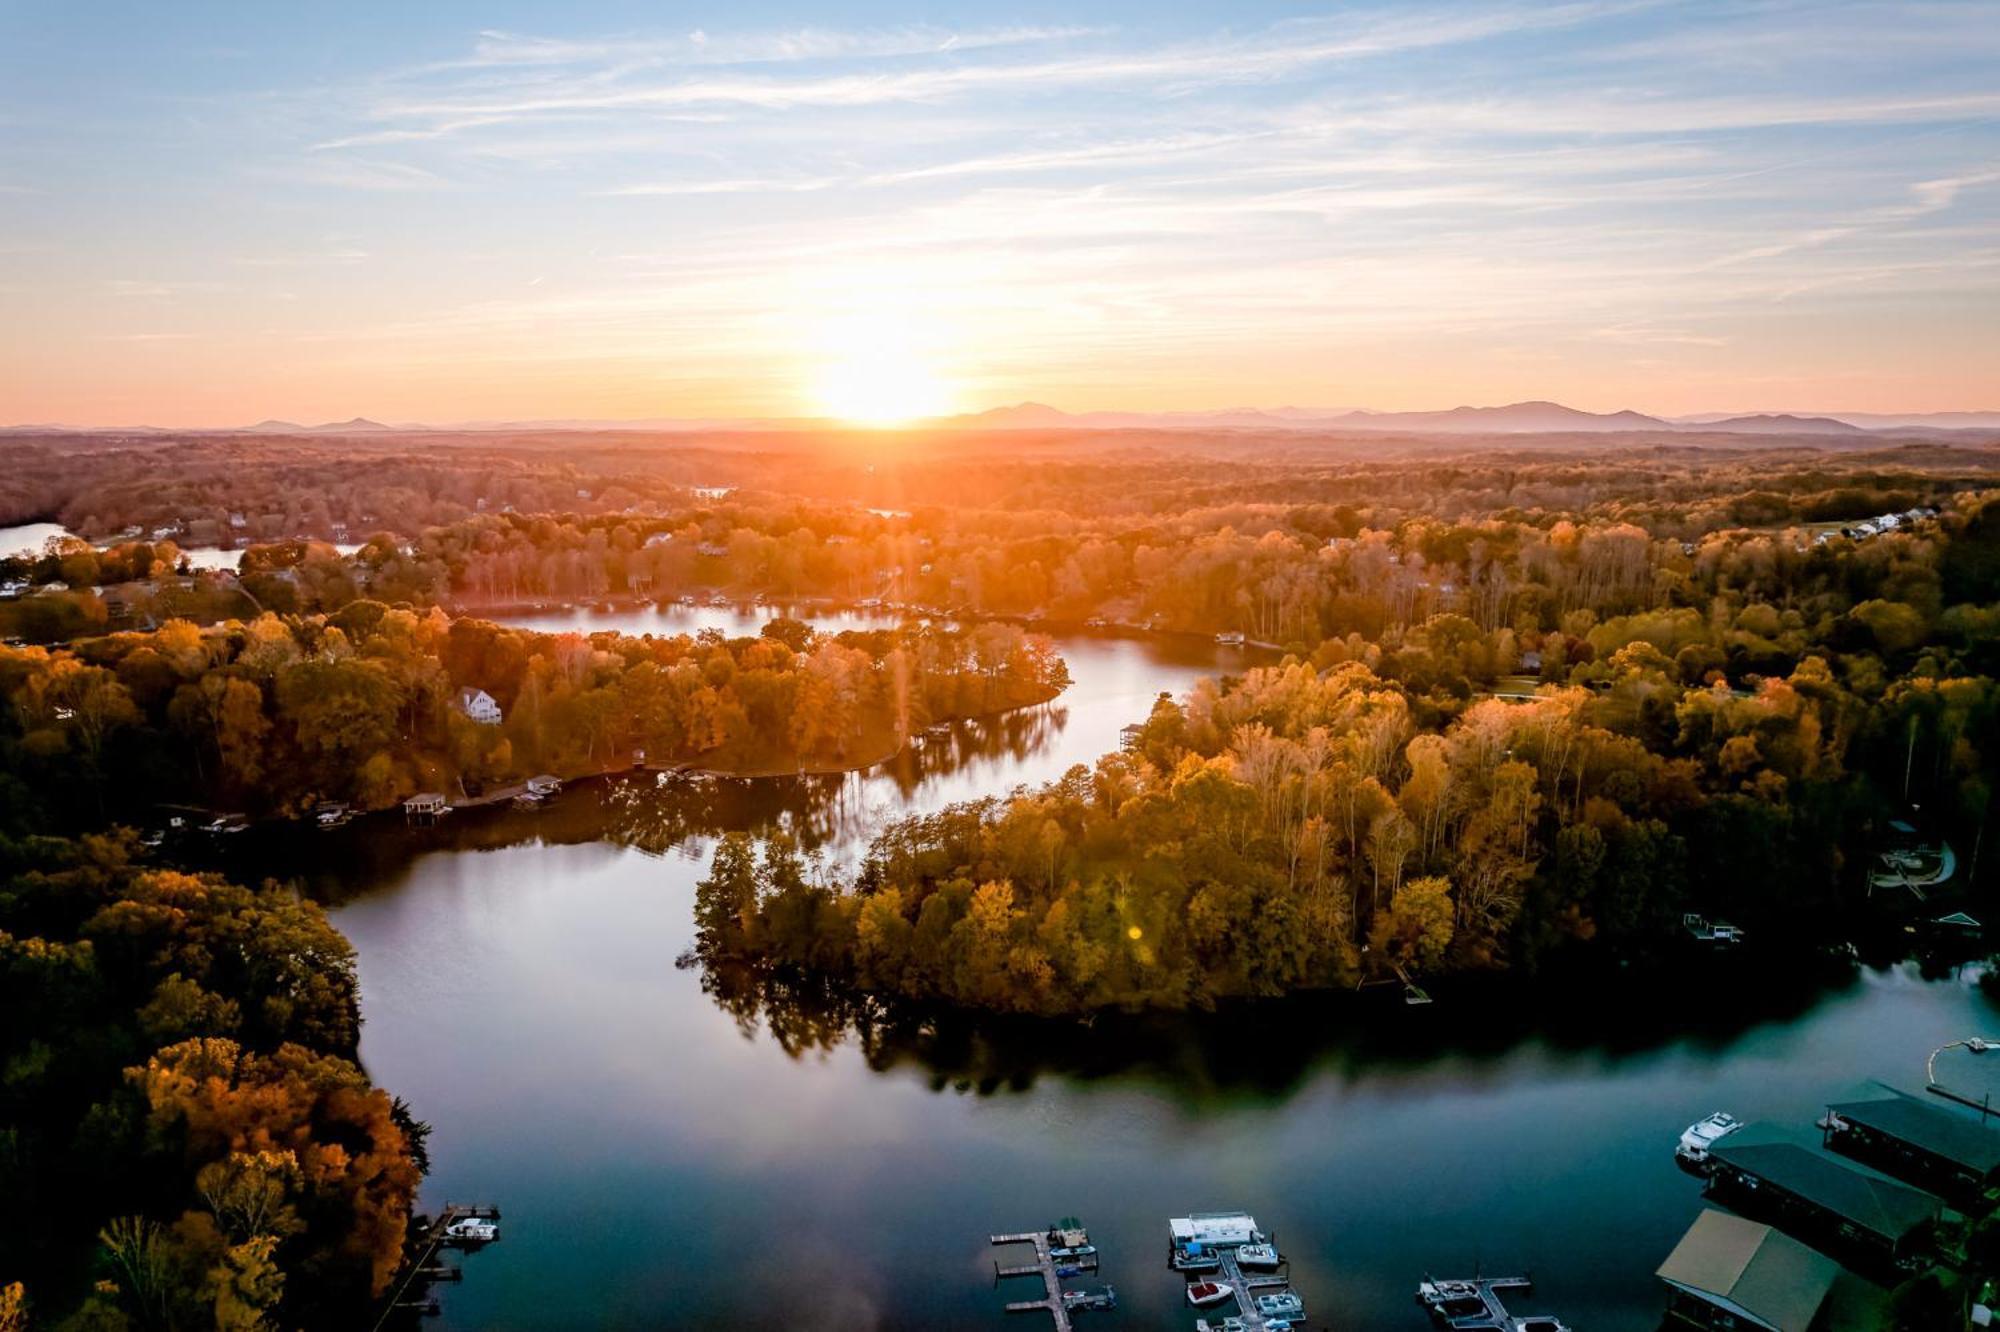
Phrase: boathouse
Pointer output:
(1729, 1273)
(1810, 1191)
(1945, 1150)
(428, 805)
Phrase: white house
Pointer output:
(479, 705)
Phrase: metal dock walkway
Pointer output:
(1491, 1316)
(1057, 1302)
(1246, 1284)
(423, 1269)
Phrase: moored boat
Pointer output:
(1699, 1137)
(1261, 1256)
(472, 1230)
(1202, 1294)
(1282, 1304)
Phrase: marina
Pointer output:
(1214, 1243)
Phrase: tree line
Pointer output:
(369, 705)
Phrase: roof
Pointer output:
(1858, 1195)
(1752, 1270)
(1957, 1138)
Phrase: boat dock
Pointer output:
(423, 1267)
(1210, 1245)
(1248, 1286)
(1052, 1266)
(1473, 1304)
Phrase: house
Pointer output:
(428, 805)
(658, 539)
(1729, 1273)
(714, 549)
(1931, 1145)
(479, 705)
(1805, 1187)
(544, 786)
(238, 521)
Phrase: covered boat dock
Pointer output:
(1811, 1191)
(1950, 1151)
(1729, 1273)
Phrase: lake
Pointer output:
(670, 1154)
(29, 538)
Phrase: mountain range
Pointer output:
(1520, 418)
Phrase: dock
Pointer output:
(1220, 1237)
(1058, 1303)
(423, 1267)
(1478, 1300)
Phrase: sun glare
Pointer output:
(873, 373)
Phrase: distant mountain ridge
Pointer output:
(1519, 418)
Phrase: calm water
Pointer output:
(664, 1159)
(29, 539)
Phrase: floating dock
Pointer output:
(1221, 1236)
(1473, 1304)
(1052, 1263)
(423, 1268)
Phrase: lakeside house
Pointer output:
(427, 805)
(479, 706)
(1730, 1273)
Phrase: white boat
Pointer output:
(1257, 1255)
(1230, 1324)
(1700, 1137)
(1231, 639)
(1283, 1304)
(1438, 1294)
(1202, 1294)
(472, 1230)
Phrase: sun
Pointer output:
(873, 371)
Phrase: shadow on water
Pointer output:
(1270, 1048)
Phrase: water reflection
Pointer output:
(843, 1159)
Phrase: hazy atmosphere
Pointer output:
(863, 669)
(216, 214)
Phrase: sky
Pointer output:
(215, 214)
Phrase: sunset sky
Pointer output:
(215, 214)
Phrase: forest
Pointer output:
(369, 705)
(1518, 707)
(185, 1138)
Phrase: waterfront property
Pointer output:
(1949, 1151)
(427, 805)
(479, 705)
(1812, 1192)
(1731, 1273)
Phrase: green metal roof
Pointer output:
(1858, 1195)
(1958, 1138)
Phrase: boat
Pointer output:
(1230, 1324)
(472, 1230)
(1074, 1251)
(1231, 639)
(1202, 1294)
(1090, 1299)
(1283, 1304)
(1257, 1255)
(1193, 1257)
(1701, 1136)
